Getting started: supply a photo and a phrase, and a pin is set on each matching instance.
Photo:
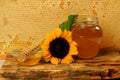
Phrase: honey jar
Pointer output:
(88, 34)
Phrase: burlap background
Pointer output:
(24, 23)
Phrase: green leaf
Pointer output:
(68, 24)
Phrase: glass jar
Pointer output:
(24, 57)
(88, 34)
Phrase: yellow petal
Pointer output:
(49, 37)
(44, 47)
(67, 35)
(73, 48)
(73, 51)
(47, 59)
(64, 33)
(68, 59)
(54, 60)
(57, 32)
(49, 56)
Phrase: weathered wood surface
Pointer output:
(105, 66)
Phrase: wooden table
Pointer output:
(105, 66)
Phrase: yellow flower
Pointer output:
(59, 47)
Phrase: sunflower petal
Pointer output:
(54, 60)
(49, 37)
(48, 58)
(67, 35)
(44, 47)
(68, 59)
(57, 32)
(64, 33)
(74, 51)
(73, 48)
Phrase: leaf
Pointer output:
(68, 24)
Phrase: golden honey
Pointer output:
(88, 34)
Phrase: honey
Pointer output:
(88, 34)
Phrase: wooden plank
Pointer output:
(105, 66)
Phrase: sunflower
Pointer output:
(58, 47)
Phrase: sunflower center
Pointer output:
(59, 47)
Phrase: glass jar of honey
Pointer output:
(88, 34)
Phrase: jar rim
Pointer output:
(81, 18)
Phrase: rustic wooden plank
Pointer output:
(105, 66)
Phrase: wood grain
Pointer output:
(105, 66)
